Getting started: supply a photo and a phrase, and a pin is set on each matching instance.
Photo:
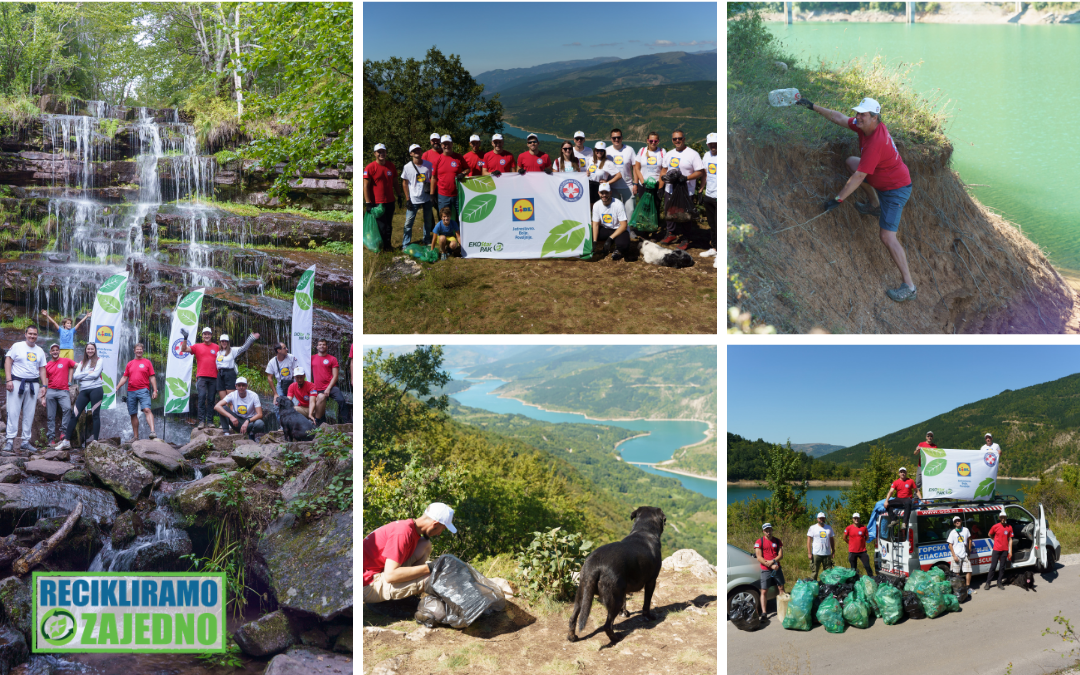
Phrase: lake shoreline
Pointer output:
(507, 120)
(660, 467)
(972, 13)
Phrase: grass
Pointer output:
(18, 111)
(254, 211)
(539, 296)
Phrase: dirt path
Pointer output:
(996, 629)
(681, 640)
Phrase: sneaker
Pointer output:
(26, 447)
(200, 424)
(986, 587)
(63, 445)
(901, 294)
(671, 238)
(616, 256)
(683, 245)
(7, 446)
(152, 435)
(708, 254)
(868, 209)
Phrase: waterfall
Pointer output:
(166, 530)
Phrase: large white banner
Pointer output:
(178, 367)
(303, 301)
(105, 324)
(530, 216)
(959, 474)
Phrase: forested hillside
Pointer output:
(500, 79)
(744, 462)
(542, 362)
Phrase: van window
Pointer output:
(934, 528)
(1018, 514)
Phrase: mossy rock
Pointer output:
(15, 599)
(129, 525)
(271, 634)
(78, 477)
(310, 565)
(118, 470)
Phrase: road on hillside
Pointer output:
(994, 629)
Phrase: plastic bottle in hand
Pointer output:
(779, 98)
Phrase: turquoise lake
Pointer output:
(815, 496)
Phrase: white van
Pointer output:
(923, 544)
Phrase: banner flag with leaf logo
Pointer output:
(959, 474)
(303, 301)
(178, 367)
(105, 324)
(530, 216)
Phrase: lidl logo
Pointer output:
(618, 160)
(104, 335)
(524, 209)
(220, 358)
(285, 372)
(963, 469)
(651, 161)
(675, 162)
(606, 218)
(31, 356)
(176, 351)
(420, 178)
(712, 168)
(592, 167)
(242, 409)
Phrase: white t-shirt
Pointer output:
(650, 162)
(600, 173)
(418, 177)
(624, 161)
(608, 216)
(959, 542)
(282, 369)
(712, 171)
(567, 168)
(821, 536)
(584, 155)
(26, 361)
(993, 446)
(243, 407)
(687, 162)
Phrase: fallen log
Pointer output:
(41, 551)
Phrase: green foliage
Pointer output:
(405, 494)
(743, 462)
(17, 112)
(547, 565)
(871, 483)
(231, 492)
(782, 466)
(109, 127)
(308, 507)
(226, 555)
(232, 657)
(338, 247)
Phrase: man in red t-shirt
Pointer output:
(433, 153)
(474, 158)
(302, 394)
(324, 375)
(856, 535)
(532, 159)
(396, 554)
(205, 374)
(928, 444)
(498, 160)
(769, 550)
(904, 488)
(886, 177)
(1002, 534)
(382, 186)
(142, 388)
(450, 168)
(59, 372)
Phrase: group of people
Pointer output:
(49, 381)
(429, 181)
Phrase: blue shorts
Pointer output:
(138, 400)
(892, 205)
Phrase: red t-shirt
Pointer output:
(475, 163)
(493, 161)
(382, 177)
(431, 156)
(880, 160)
(322, 370)
(904, 488)
(302, 396)
(1001, 534)
(531, 163)
(769, 549)
(138, 372)
(449, 165)
(394, 541)
(857, 536)
(924, 444)
(57, 371)
(205, 359)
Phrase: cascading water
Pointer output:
(166, 531)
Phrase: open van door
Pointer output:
(1040, 540)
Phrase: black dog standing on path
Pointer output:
(613, 570)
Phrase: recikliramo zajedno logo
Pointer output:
(131, 612)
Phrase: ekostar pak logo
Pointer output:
(524, 209)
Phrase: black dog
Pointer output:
(613, 570)
(294, 426)
(1025, 580)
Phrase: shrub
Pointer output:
(548, 564)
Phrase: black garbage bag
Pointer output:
(745, 615)
(844, 590)
(825, 590)
(913, 607)
(677, 204)
(466, 593)
(964, 594)
(432, 611)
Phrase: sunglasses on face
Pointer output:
(497, 142)
(567, 148)
(533, 142)
(616, 138)
(676, 138)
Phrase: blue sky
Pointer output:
(492, 35)
(844, 395)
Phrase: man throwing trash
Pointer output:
(885, 176)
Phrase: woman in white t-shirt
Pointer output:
(566, 162)
(650, 163)
(600, 170)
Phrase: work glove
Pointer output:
(831, 204)
(401, 201)
(548, 171)
(367, 207)
(184, 334)
(521, 171)
(496, 173)
(806, 103)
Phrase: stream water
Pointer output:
(1005, 86)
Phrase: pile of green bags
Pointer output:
(801, 607)
(930, 587)
(838, 575)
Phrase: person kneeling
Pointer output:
(396, 554)
(242, 410)
(609, 222)
(446, 234)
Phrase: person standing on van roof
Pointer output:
(768, 550)
(960, 548)
(990, 445)
(904, 487)
(1002, 534)
(855, 536)
(819, 544)
(928, 443)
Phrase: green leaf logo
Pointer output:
(177, 405)
(109, 303)
(107, 402)
(177, 387)
(933, 452)
(190, 299)
(112, 283)
(187, 318)
(478, 208)
(564, 237)
(108, 385)
(305, 281)
(480, 184)
(303, 300)
(123, 289)
(985, 489)
(934, 468)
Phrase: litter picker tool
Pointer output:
(801, 224)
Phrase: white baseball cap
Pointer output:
(299, 371)
(1003, 514)
(434, 136)
(532, 136)
(988, 434)
(903, 468)
(604, 187)
(446, 138)
(579, 134)
(956, 518)
(224, 336)
(711, 138)
(414, 146)
(600, 145)
(443, 514)
(820, 514)
(241, 380)
(474, 137)
(497, 137)
(868, 105)
(855, 515)
(379, 146)
(767, 526)
(207, 330)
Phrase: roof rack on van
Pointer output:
(996, 500)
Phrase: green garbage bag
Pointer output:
(801, 606)
(933, 604)
(952, 603)
(372, 238)
(838, 575)
(943, 587)
(857, 613)
(918, 581)
(644, 218)
(422, 253)
(831, 615)
(890, 604)
(937, 573)
(865, 589)
(651, 182)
